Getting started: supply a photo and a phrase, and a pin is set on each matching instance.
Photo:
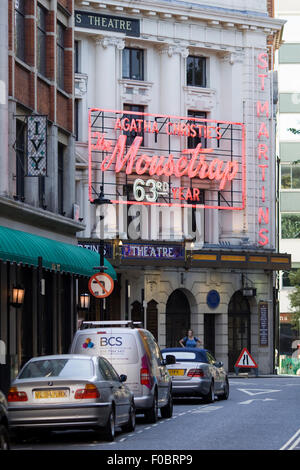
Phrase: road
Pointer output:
(260, 414)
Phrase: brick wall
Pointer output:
(67, 4)
(22, 86)
(62, 111)
(51, 45)
(43, 98)
(270, 7)
(34, 92)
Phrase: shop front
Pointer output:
(41, 281)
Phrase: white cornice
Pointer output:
(217, 18)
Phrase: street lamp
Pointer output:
(84, 301)
(18, 293)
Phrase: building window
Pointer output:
(132, 134)
(76, 57)
(290, 176)
(198, 128)
(133, 63)
(20, 160)
(60, 178)
(286, 282)
(196, 71)
(60, 56)
(76, 119)
(290, 225)
(41, 40)
(20, 29)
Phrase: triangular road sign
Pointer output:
(246, 360)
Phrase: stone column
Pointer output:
(51, 180)
(86, 205)
(231, 108)
(106, 49)
(106, 87)
(4, 176)
(69, 177)
(172, 58)
(172, 78)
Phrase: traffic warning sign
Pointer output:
(246, 360)
(101, 285)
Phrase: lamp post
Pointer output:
(100, 200)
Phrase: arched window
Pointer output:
(238, 327)
(178, 317)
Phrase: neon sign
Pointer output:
(262, 151)
(166, 160)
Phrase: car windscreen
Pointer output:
(63, 368)
(186, 356)
(117, 348)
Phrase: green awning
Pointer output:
(23, 247)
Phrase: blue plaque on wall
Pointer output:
(213, 299)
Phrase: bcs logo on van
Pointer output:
(111, 341)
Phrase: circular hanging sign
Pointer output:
(213, 299)
(101, 285)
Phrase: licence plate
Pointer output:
(176, 371)
(40, 394)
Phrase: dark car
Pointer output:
(4, 434)
(196, 373)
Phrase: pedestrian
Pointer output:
(190, 341)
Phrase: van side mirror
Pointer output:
(123, 378)
(170, 359)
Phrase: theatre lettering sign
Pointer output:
(117, 24)
(142, 158)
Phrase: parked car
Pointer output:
(196, 373)
(134, 351)
(4, 432)
(70, 391)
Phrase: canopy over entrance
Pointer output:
(23, 247)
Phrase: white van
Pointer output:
(134, 352)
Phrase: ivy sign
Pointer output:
(36, 145)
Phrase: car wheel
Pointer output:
(152, 414)
(167, 411)
(20, 436)
(109, 430)
(4, 438)
(225, 395)
(130, 426)
(210, 397)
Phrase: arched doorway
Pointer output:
(238, 327)
(178, 318)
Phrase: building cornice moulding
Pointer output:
(182, 13)
(39, 217)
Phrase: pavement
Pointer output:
(247, 375)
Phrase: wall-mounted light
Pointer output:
(249, 291)
(118, 250)
(17, 296)
(189, 247)
(84, 302)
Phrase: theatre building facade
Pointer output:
(175, 167)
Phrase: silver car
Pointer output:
(70, 391)
(195, 372)
(4, 431)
